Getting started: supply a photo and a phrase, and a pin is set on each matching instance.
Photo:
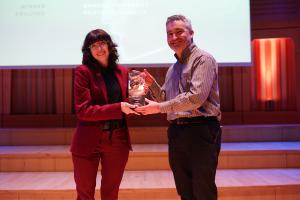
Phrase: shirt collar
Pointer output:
(185, 53)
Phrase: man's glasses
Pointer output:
(97, 45)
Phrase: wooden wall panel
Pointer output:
(41, 90)
(59, 90)
(32, 91)
(18, 88)
(237, 89)
(297, 81)
(56, 104)
(1, 93)
(50, 94)
(68, 91)
(268, 14)
(226, 89)
(6, 84)
(1, 96)
(246, 83)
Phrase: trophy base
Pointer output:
(139, 101)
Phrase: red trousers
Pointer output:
(113, 155)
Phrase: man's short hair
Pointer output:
(180, 18)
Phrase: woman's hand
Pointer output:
(128, 108)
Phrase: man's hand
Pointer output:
(128, 108)
(151, 108)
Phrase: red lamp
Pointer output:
(274, 62)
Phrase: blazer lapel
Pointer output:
(122, 81)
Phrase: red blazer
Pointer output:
(92, 108)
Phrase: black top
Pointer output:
(114, 95)
(112, 86)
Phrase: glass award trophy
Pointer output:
(136, 91)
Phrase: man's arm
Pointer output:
(203, 75)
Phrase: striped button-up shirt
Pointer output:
(191, 86)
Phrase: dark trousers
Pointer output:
(113, 156)
(193, 155)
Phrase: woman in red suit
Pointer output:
(100, 91)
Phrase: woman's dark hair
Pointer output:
(95, 36)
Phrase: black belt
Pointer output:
(113, 124)
(194, 120)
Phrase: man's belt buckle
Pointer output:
(179, 121)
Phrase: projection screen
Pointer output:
(50, 33)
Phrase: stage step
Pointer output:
(266, 184)
(154, 157)
(151, 135)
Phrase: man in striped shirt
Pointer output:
(190, 97)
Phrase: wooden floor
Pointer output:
(260, 162)
(242, 155)
(24, 183)
(150, 179)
